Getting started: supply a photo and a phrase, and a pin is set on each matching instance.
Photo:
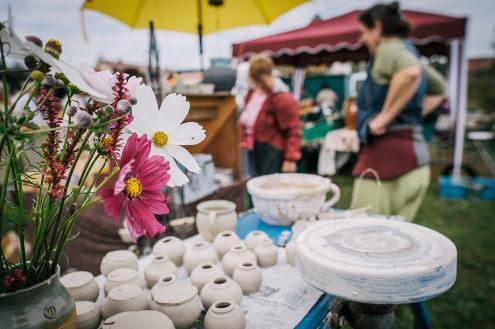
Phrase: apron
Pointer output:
(402, 148)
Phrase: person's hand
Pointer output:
(289, 167)
(377, 126)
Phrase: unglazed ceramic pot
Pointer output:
(109, 322)
(267, 253)
(81, 286)
(171, 246)
(141, 319)
(290, 251)
(203, 273)
(123, 276)
(225, 314)
(254, 238)
(160, 266)
(238, 254)
(179, 301)
(223, 241)
(123, 299)
(249, 277)
(220, 288)
(214, 217)
(199, 252)
(118, 259)
(88, 315)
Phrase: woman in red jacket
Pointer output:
(270, 121)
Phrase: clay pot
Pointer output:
(140, 319)
(118, 259)
(249, 277)
(267, 253)
(223, 241)
(123, 276)
(220, 288)
(214, 217)
(160, 266)
(88, 315)
(123, 299)
(290, 251)
(179, 301)
(81, 286)
(238, 254)
(225, 315)
(171, 246)
(200, 252)
(203, 273)
(254, 238)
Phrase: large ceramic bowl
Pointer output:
(281, 199)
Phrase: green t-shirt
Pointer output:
(392, 56)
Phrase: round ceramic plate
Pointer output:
(376, 261)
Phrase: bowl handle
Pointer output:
(333, 200)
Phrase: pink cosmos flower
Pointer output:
(137, 189)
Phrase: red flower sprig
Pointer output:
(15, 280)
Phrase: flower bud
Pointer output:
(59, 83)
(31, 62)
(124, 106)
(48, 82)
(108, 110)
(34, 39)
(83, 119)
(54, 48)
(37, 75)
(72, 110)
(133, 100)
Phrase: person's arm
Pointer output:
(436, 90)
(402, 88)
(287, 116)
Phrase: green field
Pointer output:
(471, 226)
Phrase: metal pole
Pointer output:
(461, 117)
(154, 64)
(453, 80)
(200, 35)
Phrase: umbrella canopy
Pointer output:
(337, 39)
(182, 15)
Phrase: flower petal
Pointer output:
(156, 202)
(124, 171)
(145, 112)
(113, 204)
(173, 111)
(132, 83)
(137, 148)
(189, 133)
(177, 177)
(141, 221)
(184, 157)
(153, 174)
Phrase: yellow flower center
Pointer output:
(133, 187)
(160, 138)
(107, 141)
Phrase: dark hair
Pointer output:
(393, 24)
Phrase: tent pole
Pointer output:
(200, 35)
(154, 64)
(461, 116)
(453, 76)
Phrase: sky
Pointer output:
(111, 40)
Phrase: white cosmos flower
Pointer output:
(167, 132)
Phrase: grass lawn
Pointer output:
(470, 303)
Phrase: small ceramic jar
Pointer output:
(200, 252)
(290, 251)
(254, 238)
(124, 298)
(88, 315)
(225, 314)
(81, 286)
(203, 273)
(237, 254)
(179, 301)
(118, 259)
(223, 241)
(110, 322)
(249, 277)
(142, 319)
(171, 246)
(267, 253)
(160, 266)
(215, 216)
(220, 288)
(123, 276)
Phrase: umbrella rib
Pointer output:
(138, 12)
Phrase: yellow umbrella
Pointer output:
(194, 16)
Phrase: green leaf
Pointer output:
(15, 214)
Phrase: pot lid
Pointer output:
(174, 294)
